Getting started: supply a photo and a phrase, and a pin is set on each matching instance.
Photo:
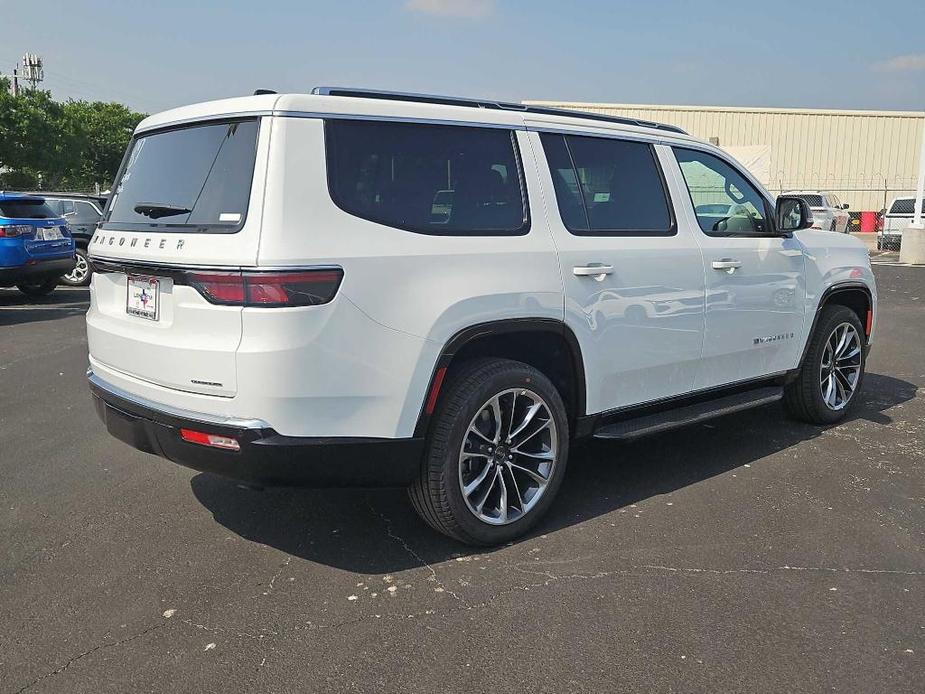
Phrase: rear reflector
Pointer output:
(435, 391)
(870, 322)
(214, 440)
(268, 289)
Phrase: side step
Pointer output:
(689, 414)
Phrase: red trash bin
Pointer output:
(869, 221)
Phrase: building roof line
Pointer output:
(727, 109)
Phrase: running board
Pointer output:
(689, 414)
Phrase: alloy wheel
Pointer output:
(840, 369)
(81, 269)
(508, 456)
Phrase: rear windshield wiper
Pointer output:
(156, 210)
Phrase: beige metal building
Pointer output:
(864, 157)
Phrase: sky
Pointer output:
(163, 53)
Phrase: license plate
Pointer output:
(142, 297)
(49, 234)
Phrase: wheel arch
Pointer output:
(539, 342)
(854, 295)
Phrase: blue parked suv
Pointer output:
(36, 247)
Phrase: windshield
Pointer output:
(195, 178)
(26, 209)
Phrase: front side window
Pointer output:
(193, 178)
(607, 187)
(724, 201)
(430, 179)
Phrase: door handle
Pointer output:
(727, 264)
(598, 272)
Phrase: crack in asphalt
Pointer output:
(98, 647)
(433, 573)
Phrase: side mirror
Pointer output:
(845, 206)
(792, 214)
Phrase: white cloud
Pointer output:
(903, 63)
(470, 9)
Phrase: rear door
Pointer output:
(633, 279)
(754, 281)
(186, 199)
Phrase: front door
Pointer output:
(634, 289)
(754, 278)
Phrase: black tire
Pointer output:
(803, 397)
(38, 289)
(81, 262)
(437, 495)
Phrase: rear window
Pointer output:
(195, 178)
(811, 200)
(26, 209)
(430, 179)
(903, 206)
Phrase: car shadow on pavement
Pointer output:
(377, 532)
(16, 309)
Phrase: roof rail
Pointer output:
(489, 104)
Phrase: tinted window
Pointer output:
(192, 177)
(434, 179)
(606, 186)
(84, 213)
(724, 201)
(903, 206)
(811, 200)
(26, 209)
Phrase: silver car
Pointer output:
(829, 213)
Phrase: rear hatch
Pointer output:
(187, 202)
(44, 234)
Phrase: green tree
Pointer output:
(53, 145)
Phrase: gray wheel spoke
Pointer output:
(528, 417)
(488, 489)
(502, 508)
(520, 501)
(496, 413)
(527, 471)
(829, 390)
(474, 484)
(516, 446)
(542, 455)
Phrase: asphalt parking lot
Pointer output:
(749, 554)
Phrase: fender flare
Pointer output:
(500, 327)
(832, 290)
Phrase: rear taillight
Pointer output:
(268, 289)
(14, 230)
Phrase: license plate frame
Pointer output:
(136, 297)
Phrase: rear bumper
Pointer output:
(38, 270)
(266, 458)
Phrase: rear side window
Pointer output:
(193, 178)
(812, 200)
(903, 206)
(608, 187)
(431, 179)
(26, 209)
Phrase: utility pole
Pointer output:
(14, 85)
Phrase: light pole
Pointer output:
(912, 249)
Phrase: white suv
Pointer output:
(828, 211)
(366, 288)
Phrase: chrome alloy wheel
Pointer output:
(840, 369)
(508, 456)
(81, 269)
